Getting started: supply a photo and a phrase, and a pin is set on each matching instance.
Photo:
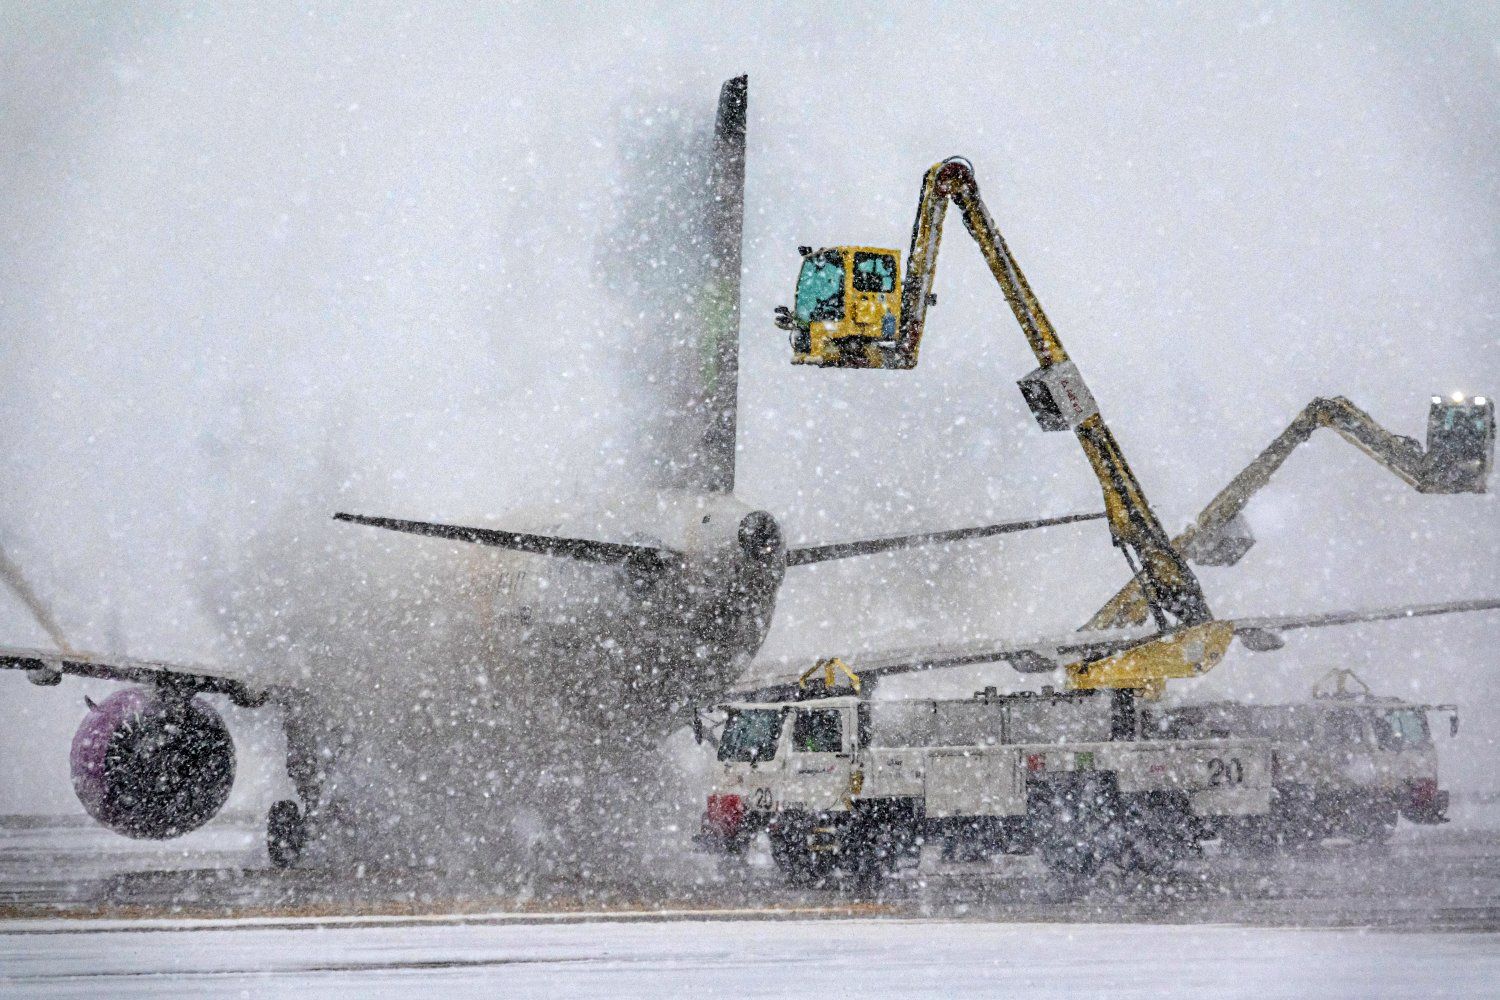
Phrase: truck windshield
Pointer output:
(1402, 728)
(820, 289)
(750, 734)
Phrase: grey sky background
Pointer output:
(242, 248)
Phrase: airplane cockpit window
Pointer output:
(874, 272)
(818, 730)
(820, 289)
(750, 735)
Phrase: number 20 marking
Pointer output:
(1223, 772)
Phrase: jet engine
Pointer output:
(760, 537)
(152, 765)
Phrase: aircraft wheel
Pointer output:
(286, 833)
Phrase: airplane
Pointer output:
(633, 616)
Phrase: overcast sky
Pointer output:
(244, 247)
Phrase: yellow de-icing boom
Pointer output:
(1458, 458)
(844, 319)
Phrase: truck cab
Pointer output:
(779, 757)
(847, 300)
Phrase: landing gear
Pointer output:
(311, 746)
(286, 833)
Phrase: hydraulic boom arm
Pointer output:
(1458, 458)
(840, 325)
(851, 312)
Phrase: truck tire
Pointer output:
(800, 865)
(1254, 836)
(1372, 822)
(864, 861)
(1158, 832)
(1076, 825)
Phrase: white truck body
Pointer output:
(1341, 766)
(984, 763)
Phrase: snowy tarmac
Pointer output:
(85, 914)
(863, 958)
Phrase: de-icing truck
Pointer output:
(1345, 763)
(853, 785)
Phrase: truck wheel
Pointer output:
(1373, 823)
(286, 833)
(1155, 856)
(1254, 837)
(1158, 833)
(864, 865)
(800, 865)
(868, 855)
(1076, 828)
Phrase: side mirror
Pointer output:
(804, 251)
(932, 298)
(784, 318)
(1453, 724)
(697, 728)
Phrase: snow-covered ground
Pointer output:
(867, 959)
(391, 939)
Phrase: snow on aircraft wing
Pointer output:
(1043, 655)
(46, 667)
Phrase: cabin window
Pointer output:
(1403, 728)
(818, 730)
(750, 735)
(820, 289)
(874, 272)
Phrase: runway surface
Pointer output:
(85, 913)
(863, 958)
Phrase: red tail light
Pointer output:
(724, 815)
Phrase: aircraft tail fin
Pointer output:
(720, 335)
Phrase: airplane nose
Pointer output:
(760, 536)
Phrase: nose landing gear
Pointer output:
(286, 833)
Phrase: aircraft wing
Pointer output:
(1282, 623)
(1039, 655)
(582, 549)
(1258, 633)
(47, 667)
(844, 550)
